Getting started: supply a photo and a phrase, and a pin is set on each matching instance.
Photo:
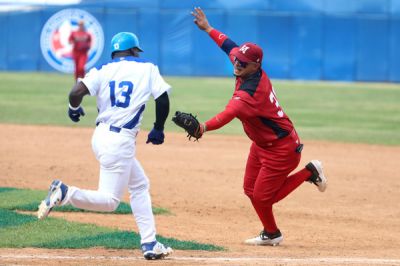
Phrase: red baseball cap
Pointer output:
(248, 52)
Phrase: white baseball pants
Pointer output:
(118, 169)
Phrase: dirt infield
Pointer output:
(356, 221)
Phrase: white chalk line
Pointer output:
(315, 260)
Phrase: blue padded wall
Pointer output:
(275, 37)
(373, 49)
(3, 46)
(339, 48)
(23, 49)
(306, 47)
(149, 32)
(303, 39)
(176, 45)
(395, 7)
(298, 5)
(394, 51)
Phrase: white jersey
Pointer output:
(123, 87)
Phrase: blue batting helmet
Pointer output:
(123, 41)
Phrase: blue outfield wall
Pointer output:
(350, 40)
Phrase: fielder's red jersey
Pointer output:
(81, 41)
(254, 102)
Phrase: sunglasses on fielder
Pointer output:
(241, 63)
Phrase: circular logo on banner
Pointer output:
(54, 40)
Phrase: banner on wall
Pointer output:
(54, 43)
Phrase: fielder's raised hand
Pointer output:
(200, 20)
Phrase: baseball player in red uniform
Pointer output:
(276, 148)
(81, 41)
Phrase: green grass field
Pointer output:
(347, 112)
(19, 230)
(22, 230)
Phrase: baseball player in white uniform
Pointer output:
(122, 87)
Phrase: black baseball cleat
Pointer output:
(317, 178)
(266, 239)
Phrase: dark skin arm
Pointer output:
(76, 94)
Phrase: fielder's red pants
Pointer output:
(267, 179)
(80, 61)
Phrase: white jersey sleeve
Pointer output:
(158, 85)
(92, 81)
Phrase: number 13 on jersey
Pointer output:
(126, 91)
